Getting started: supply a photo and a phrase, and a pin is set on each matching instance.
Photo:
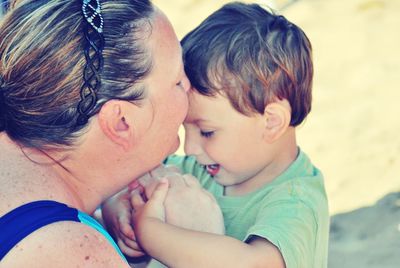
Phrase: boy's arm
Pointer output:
(179, 247)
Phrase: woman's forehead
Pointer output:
(165, 47)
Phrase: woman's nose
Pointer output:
(186, 84)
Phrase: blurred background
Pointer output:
(353, 131)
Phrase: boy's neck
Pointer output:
(285, 153)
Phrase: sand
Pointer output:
(352, 133)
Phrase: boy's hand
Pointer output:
(117, 210)
(152, 209)
(117, 214)
(151, 179)
(187, 204)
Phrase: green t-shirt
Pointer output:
(291, 212)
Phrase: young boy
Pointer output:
(251, 73)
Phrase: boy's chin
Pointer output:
(222, 180)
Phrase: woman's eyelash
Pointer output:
(180, 84)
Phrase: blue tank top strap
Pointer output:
(86, 219)
(22, 221)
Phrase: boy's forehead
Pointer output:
(198, 106)
(204, 108)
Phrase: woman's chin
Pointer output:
(175, 146)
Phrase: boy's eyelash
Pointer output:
(206, 134)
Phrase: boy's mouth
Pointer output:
(213, 169)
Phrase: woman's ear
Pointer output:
(113, 120)
(277, 117)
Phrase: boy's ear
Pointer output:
(277, 117)
(115, 123)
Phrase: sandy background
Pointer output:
(353, 132)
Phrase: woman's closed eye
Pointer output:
(180, 84)
(183, 85)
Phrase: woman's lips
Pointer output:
(213, 169)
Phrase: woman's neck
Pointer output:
(27, 175)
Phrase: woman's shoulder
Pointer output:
(64, 244)
(46, 231)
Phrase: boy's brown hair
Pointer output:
(253, 57)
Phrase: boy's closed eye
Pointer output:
(206, 134)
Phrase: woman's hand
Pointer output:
(117, 214)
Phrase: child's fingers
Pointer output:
(191, 181)
(160, 192)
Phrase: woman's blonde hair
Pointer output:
(42, 61)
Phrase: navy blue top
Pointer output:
(22, 221)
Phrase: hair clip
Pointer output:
(92, 12)
(94, 60)
(2, 113)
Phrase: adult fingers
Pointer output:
(162, 171)
(131, 243)
(176, 180)
(146, 180)
(126, 227)
(133, 185)
(173, 169)
(129, 251)
(137, 201)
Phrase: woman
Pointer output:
(91, 95)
